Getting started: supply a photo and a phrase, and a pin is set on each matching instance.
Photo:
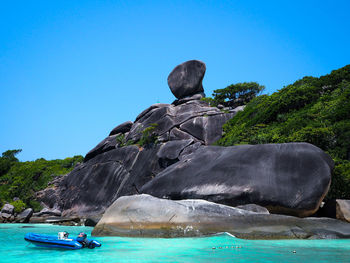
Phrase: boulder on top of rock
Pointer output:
(122, 128)
(290, 178)
(186, 79)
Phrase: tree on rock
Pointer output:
(237, 94)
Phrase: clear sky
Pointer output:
(70, 71)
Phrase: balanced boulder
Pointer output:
(290, 178)
(186, 79)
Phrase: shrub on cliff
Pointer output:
(314, 110)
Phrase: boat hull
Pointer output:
(49, 241)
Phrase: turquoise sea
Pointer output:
(218, 248)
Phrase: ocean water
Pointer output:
(217, 249)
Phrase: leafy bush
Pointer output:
(149, 137)
(120, 140)
(19, 206)
(314, 110)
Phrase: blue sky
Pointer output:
(70, 71)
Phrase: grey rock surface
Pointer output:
(147, 216)
(172, 149)
(168, 117)
(343, 209)
(105, 145)
(5, 215)
(92, 186)
(197, 96)
(122, 128)
(186, 79)
(254, 208)
(24, 216)
(48, 212)
(289, 178)
(8, 209)
(206, 128)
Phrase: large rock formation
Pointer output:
(288, 178)
(291, 178)
(147, 216)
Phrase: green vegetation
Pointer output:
(235, 95)
(18, 205)
(23, 179)
(314, 110)
(149, 137)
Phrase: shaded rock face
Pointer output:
(92, 186)
(147, 216)
(186, 79)
(287, 178)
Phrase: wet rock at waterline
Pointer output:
(290, 178)
(147, 216)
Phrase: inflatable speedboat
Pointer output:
(50, 241)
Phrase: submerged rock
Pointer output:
(287, 178)
(147, 216)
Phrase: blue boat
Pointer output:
(51, 241)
